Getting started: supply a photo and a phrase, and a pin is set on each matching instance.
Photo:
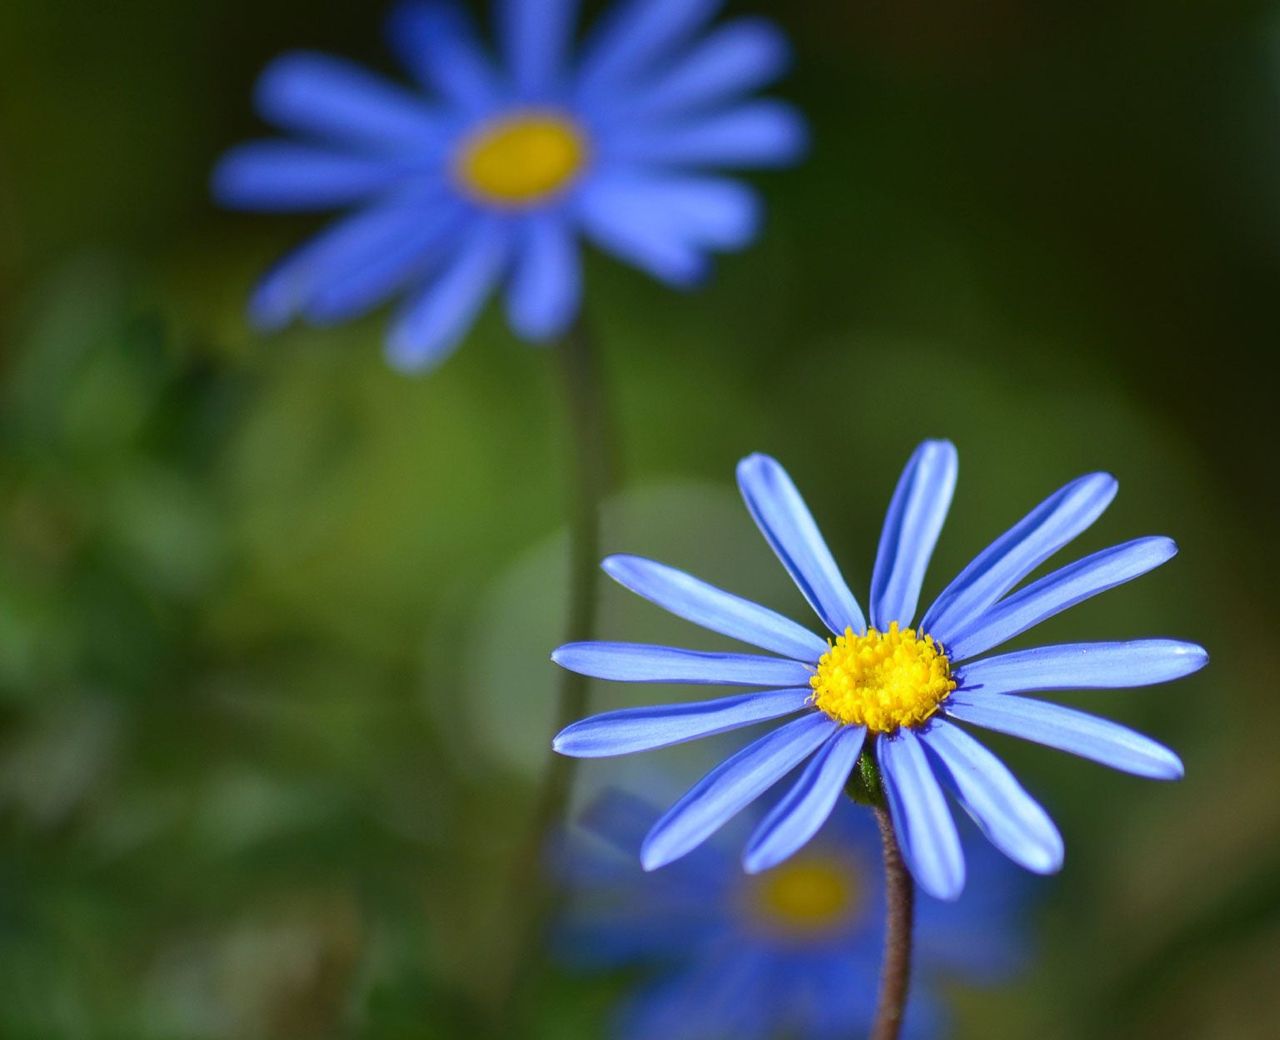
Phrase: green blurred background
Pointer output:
(274, 620)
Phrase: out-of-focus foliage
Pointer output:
(273, 620)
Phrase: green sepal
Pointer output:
(864, 785)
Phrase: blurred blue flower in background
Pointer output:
(884, 686)
(489, 176)
(793, 951)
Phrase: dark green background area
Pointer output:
(273, 619)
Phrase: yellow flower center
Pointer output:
(806, 894)
(882, 680)
(519, 160)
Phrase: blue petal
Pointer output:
(712, 608)
(1011, 819)
(736, 59)
(436, 320)
(610, 218)
(1084, 666)
(1068, 730)
(437, 42)
(325, 260)
(644, 729)
(639, 662)
(1056, 592)
(704, 997)
(636, 33)
(326, 97)
(757, 133)
(357, 285)
(709, 211)
(536, 38)
(831, 987)
(669, 215)
(926, 1018)
(605, 941)
(799, 816)
(1016, 553)
(926, 832)
(788, 527)
(546, 285)
(618, 818)
(731, 786)
(283, 176)
(911, 528)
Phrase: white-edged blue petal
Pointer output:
(434, 322)
(276, 176)
(1055, 592)
(735, 59)
(1012, 820)
(926, 832)
(1052, 524)
(546, 283)
(799, 816)
(789, 528)
(694, 600)
(1083, 666)
(911, 528)
(321, 96)
(635, 33)
(1067, 730)
(762, 133)
(640, 662)
(731, 787)
(610, 218)
(535, 41)
(437, 42)
(644, 729)
(426, 236)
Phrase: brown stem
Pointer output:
(895, 969)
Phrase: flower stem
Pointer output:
(589, 466)
(589, 475)
(895, 969)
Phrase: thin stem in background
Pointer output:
(895, 968)
(590, 463)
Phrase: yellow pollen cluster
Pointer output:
(520, 159)
(806, 894)
(882, 680)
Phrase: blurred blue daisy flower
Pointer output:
(793, 951)
(895, 690)
(489, 176)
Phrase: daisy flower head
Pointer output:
(791, 951)
(884, 685)
(486, 173)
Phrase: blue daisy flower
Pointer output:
(793, 951)
(489, 172)
(896, 691)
